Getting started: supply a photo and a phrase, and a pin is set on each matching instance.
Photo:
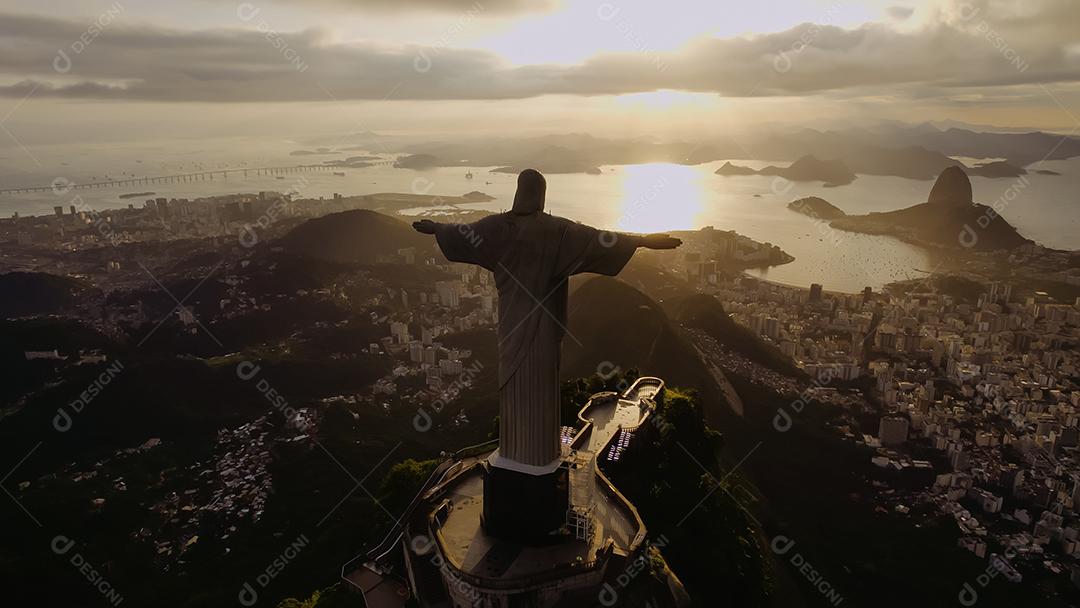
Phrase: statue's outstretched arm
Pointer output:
(425, 226)
(654, 241)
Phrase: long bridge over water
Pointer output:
(186, 177)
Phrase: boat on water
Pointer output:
(468, 175)
(341, 173)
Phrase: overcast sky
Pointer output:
(86, 68)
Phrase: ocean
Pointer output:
(641, 198)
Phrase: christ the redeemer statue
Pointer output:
(532, 255)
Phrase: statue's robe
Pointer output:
(532, 256)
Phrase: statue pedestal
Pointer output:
(522, 507)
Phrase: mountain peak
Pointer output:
(951, 188)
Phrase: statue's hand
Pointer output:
(660, 241)
(424, 226)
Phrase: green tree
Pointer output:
(404, 480)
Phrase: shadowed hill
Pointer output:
(665, 287)
(809, 168)
(355, 236)
(613, 324)
(704, 312)
(39, 293)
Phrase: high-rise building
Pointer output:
(772, 327)
(910, 341)
(450, 367)
(448, 291)
(400, 332)
(886, 337)
(999, 293)
(893, 430)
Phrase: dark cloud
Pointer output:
(900, 13)
(493, 7)
(224, 65)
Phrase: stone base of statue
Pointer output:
(479, 532)
(524, 507)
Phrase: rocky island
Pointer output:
(417, 161)
(949, 219)
(729, 169)
(998, 168)
(817, 208)
(353, 162)
(806, 169)
(569, 166)
(478, 197)
(311, 152)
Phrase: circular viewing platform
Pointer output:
(446, 536)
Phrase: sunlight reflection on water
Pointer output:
(639, 198)
(660, 196)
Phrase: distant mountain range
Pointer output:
(912, 151)
(805, 169)
(1017, 148)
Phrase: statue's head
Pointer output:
(531, 190)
